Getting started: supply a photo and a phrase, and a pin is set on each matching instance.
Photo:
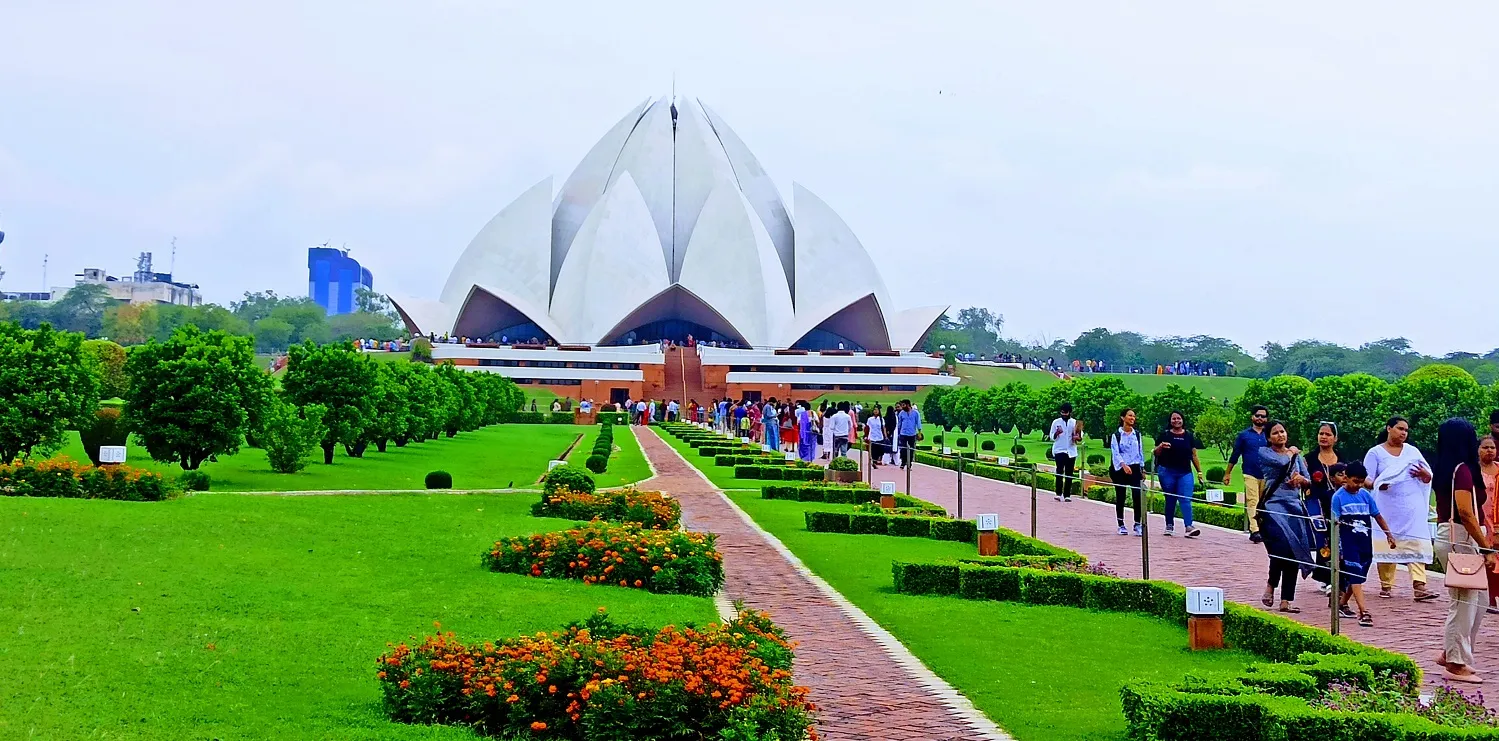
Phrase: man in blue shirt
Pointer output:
(907, 429)
(1247, 446)
(771, 419)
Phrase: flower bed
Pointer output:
(599, 680)
(61, 477)
(650, 509)
(662, 561)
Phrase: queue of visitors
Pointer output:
(1379, 505)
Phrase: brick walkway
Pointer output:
(866, 688)
(1218, 558)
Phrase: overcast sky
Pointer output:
(1260, 171)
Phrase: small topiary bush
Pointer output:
(107, 429)
(596, 463)
(567, 477)
(843, 464)
(1017, 449)
(439, 480)
(961, 442)
(936, 439)
(194, 481)
(1214, 474)
(1095, 459)
(986, 445)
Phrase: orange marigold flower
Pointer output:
(537, 725)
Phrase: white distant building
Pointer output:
(669, 228)
(144, 287)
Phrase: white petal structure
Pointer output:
(669, 226)
(614, 265)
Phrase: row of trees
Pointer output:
(1358, 403)
(200, 394)
(980, 331)
(273, 322)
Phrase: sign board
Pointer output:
(1002, 460)
(111, 453)
(887, 488)
(767, 448)
(988, 523)
(790, 456)
(553, 464)
(1204, 601)
(946, 450)
(1215, 495)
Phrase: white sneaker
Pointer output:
(1123, 531)
(1170, 532)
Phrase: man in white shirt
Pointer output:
(842, 426)
(1065, 434)
(671, 410)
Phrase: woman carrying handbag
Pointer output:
(1462, 547)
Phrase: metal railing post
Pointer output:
(908, 458)
(1034, 472)
(960, 486)
(1143, 513)
(1332, 564)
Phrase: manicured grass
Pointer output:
(721, 476)
(495, 457)
(257, 617)
(1041, 673)
(626, 466)
(1220, 387)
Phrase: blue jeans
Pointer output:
(773, 435)
(1177, 485)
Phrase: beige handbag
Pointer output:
(1464, 570)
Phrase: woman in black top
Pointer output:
(1319, 464)
(1175, 459)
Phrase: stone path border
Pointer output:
(867, 684)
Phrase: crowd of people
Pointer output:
(1378, 502)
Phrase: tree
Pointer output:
(369, 301)
(931, 407)
(82, 309)
(1354, 403)
(106, 360)
(1012, 405)
(272, 334)
(289, 433)
(390, 413)
(131, 324)
(340, 379)
(1174, 398)
(1285, 397)
(195, 395)
(1217, 428)
(46, 388)
(362, 325)
(1428, 401)
(1091, 397)
(464, 414)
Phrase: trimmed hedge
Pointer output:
(777, 473)
(1202, 511)
(1245, 628)
(439, 480)
(1270, 701)
(843, 494)
(905, 526)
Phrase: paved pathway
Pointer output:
(866, 684)
(1218, 558)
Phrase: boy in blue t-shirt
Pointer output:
(1353, 507)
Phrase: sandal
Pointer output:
(1386, 594)
(1347, 612)
(1366, 620)
(1425, 596)
(1269, 599)
(1290, 609)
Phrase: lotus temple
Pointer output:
(670, 230)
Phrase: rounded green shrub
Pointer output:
(439, 480)
(194, 481)
(843, 464)
(107, 429)
(567, 477)
(1214, 474)
(986, 445)
(962, 442)
(936, 439)
(596, 463)
(1017, 449)
(1095, 459)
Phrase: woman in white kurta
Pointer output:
(1401, 481)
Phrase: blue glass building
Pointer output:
(332, 277)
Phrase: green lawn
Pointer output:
(257, 617)
(1220, 387)
(626, 466)
(495, 457)
(721, 476)
(1041, 673)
